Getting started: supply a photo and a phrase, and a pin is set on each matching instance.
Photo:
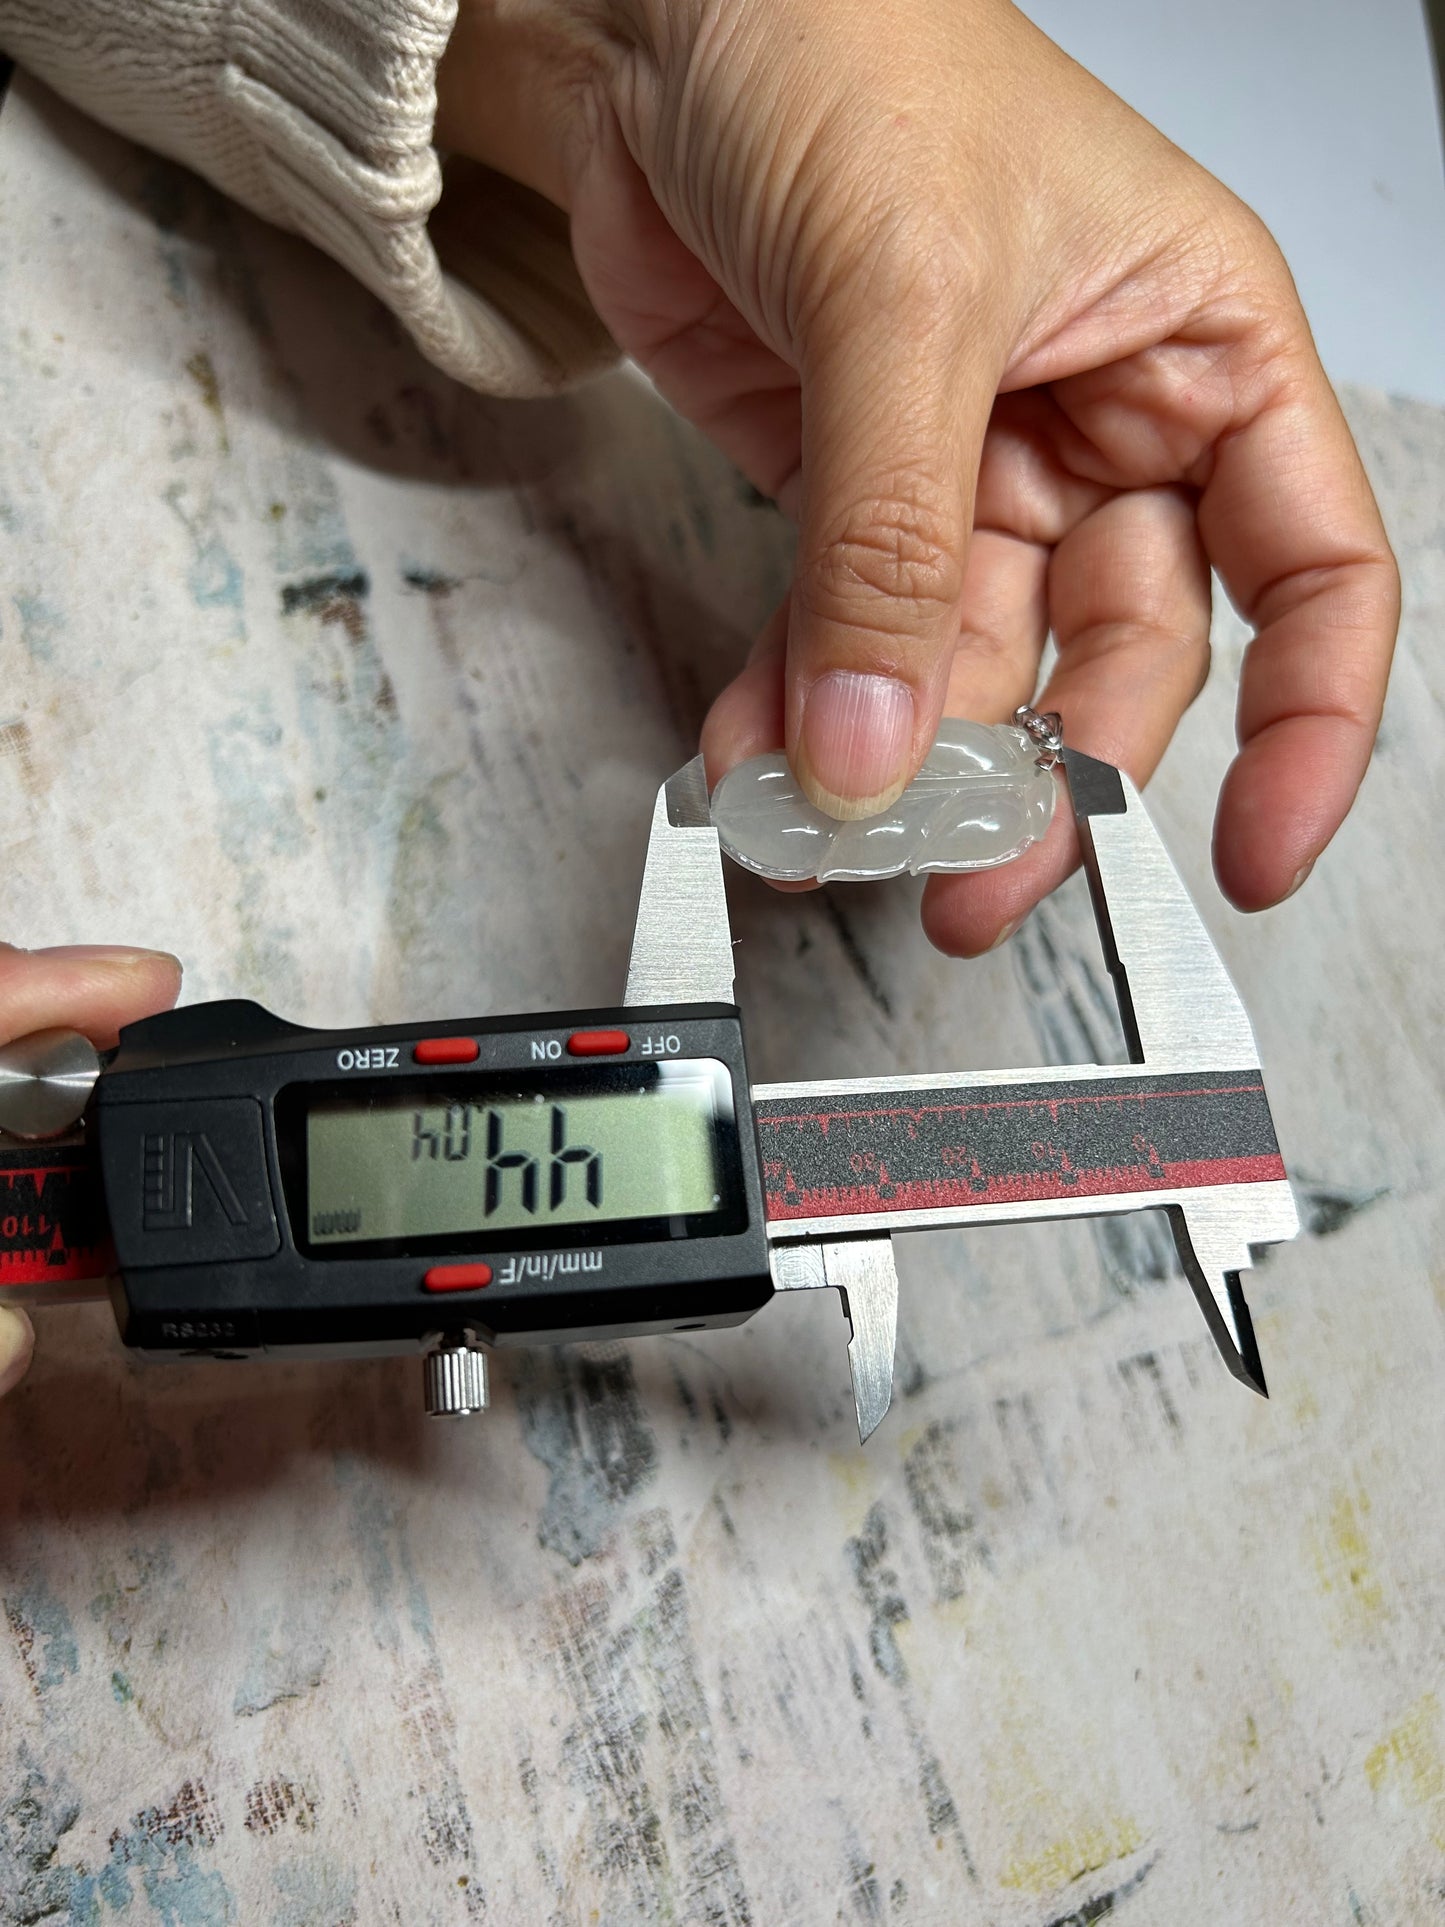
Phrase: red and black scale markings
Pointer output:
(53, 1226)
(913, 1150)
(931, 1150)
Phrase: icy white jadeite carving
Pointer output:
(979, 800)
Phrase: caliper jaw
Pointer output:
(1180, 1012)
(682, 953)
(682, 944)
(864, 1274)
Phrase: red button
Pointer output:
(598, 1043)
(447, 1050)
(457, 1277)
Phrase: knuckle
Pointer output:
(896, 549)
(1246, 268)
(1383, 589)
(1248, 233)
(1202, 659)
(936, 274)
(928, 262)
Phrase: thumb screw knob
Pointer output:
(456, 1380)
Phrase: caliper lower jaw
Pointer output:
(1213, 1252)
(1215, 1234)
(863, 1273)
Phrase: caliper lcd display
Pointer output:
(492, 1160)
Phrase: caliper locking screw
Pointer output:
(456, 1379)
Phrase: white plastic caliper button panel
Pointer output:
(979, 800)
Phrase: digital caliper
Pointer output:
(252, 1188)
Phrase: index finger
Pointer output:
(1291, 524)
(1289, 521)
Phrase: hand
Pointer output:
(1014, 363)
(86, 988)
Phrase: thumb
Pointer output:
(893, 420)
(94, 988)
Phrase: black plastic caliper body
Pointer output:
(272, 1188)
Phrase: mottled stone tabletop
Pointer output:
(354, 690)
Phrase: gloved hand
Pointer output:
(1012, 361)
(90, 988)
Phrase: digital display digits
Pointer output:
(644, 1146)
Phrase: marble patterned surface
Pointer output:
(354, 690)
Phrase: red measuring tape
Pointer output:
(52, 1216)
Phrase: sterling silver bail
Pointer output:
(1045, 730)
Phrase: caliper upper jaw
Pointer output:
(682, 946)
(1179, 1009)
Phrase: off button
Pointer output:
(598, 1043)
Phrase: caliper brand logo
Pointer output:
(550, 1265)
(168, 1180)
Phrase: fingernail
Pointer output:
(1301, 877)
(854, 744)
(111, 953)
(1003, 936)
(17, 1341)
